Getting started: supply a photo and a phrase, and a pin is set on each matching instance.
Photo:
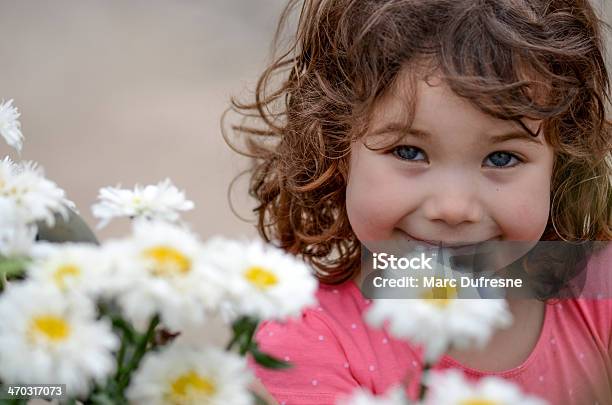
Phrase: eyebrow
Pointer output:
(418, 133)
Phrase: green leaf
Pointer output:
(243, 328)
(103, 398)
(128, 330)
(13, 401)
(268, 361)
(244, 324)
(12, 267)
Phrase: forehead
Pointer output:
(420, 98)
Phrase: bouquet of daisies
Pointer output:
(123, 321)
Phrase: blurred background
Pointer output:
(124, 92)
(132, 91)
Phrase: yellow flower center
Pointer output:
(191, 384)
(260, 277)
(477, 401)
(50, 327)
(167, 261)
(440, 296)
(64, 271)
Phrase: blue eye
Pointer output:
(405, 152)
(501, 159)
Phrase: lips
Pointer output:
(425, 241)
(430, 243)
(457, 246)
(450, 245)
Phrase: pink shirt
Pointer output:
(333, 351)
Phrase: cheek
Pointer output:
(530, 221)
(522, 212)
(369, 212)
(374, 205)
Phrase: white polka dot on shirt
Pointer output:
(321, 337)
(346, 365)
(414, 363)
(315, 382)
(371, 368)
(335, 291)
(581, 355)
(553, 341)
(287, 358)
(541, 378)
(270, 333)
(385, 341)
(353, 326)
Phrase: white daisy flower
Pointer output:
(10, 127)
(50, 338)
(36, 197)
(72, 267)
(262, 281)
(161, 269)
(161, 202)
(438, 324)
(16, 235)
(186, 376)
(361, 396)
(451, 388)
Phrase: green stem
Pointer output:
(244, 329)
(141, 348)
(259, 400)
(121, 354)
(422, 386)
(127, 334)
(232, 342)
(126, 328)
(249, 337)
(3, 281)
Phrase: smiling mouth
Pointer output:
(442, 244)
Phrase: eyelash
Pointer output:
(394, 151)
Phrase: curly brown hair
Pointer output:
(345, 56)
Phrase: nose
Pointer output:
(453, 203)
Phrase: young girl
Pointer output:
(447, 122)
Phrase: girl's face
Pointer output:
(459, 177)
